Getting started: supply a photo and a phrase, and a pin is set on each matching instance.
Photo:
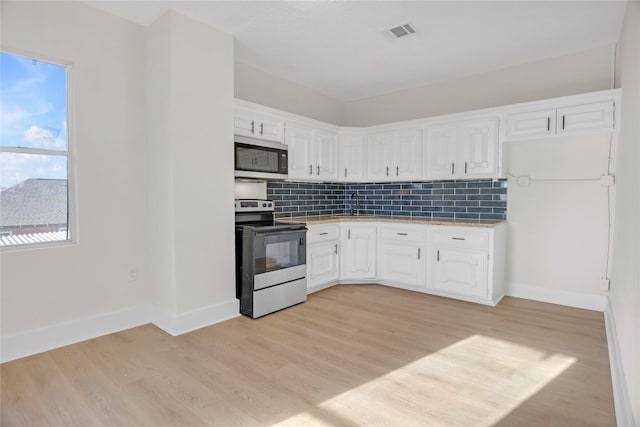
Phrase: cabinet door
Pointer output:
(590, 117)
(244, 121)
(299, 140)
(270, 127)
(408, 155)
(380, 156)
(478, 149)
(402, 262)
(351, 158)
(322, 263)
(440, 152)
(531, 124)
(460, 271)
(358, 259)
(326, 151)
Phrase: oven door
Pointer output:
(279, 257)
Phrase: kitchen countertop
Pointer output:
(313, 220)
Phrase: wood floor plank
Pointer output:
(352, 355)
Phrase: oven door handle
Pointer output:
(280, 232)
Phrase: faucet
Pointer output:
(357, 197)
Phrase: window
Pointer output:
(34, 152)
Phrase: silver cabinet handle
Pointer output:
(345, 172)
(418, 253)
(563, 122)
(349, 234)
(261, 128)
(457, 238)
(335, 251)
(548, 124)
(465, 168)
(253, 126)
(401, 234)
(310, 169)
(453, 168)
(324, 234)
(397, 170)
(387, 170)
(318, 170)
(438, 256)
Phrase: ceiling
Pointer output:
(340, 48)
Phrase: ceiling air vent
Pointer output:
(401, 31)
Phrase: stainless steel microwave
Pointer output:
(260, 159)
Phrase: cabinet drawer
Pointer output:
(323, 233)
(404, 234)
(469, 239)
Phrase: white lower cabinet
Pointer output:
(467, 262)
(323, 260)
(322, 264)
(401, 255)
(358, 258)
(460, 271)
(462, 262)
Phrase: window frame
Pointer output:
(69, 153)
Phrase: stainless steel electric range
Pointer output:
(271, 260)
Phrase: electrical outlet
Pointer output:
(133, 274)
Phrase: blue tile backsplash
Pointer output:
(484, 199)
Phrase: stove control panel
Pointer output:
(254, 205)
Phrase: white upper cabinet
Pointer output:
(313, 153)
(462, 150)
(530, 124)
(256, 123)
(440, 151)
(478, 149)
(380, 156)
(408, 154)
(587, 117)
(458, 146)
(560, 118)
(351, 157)
(299, 140)
(326, 152)
(394, 155)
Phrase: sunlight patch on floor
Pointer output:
(476, 381)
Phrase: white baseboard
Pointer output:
(320, 287)
(35, 341)
(195, 319)
(557, 296)
(624, 413)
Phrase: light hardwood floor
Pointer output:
(359, 355)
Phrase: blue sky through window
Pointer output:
(33, 114)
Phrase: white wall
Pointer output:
(263, 88)
(41, 287)
(567, 75)
(154, 150)
(558, 228)
(191, 175)
(625, 279)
